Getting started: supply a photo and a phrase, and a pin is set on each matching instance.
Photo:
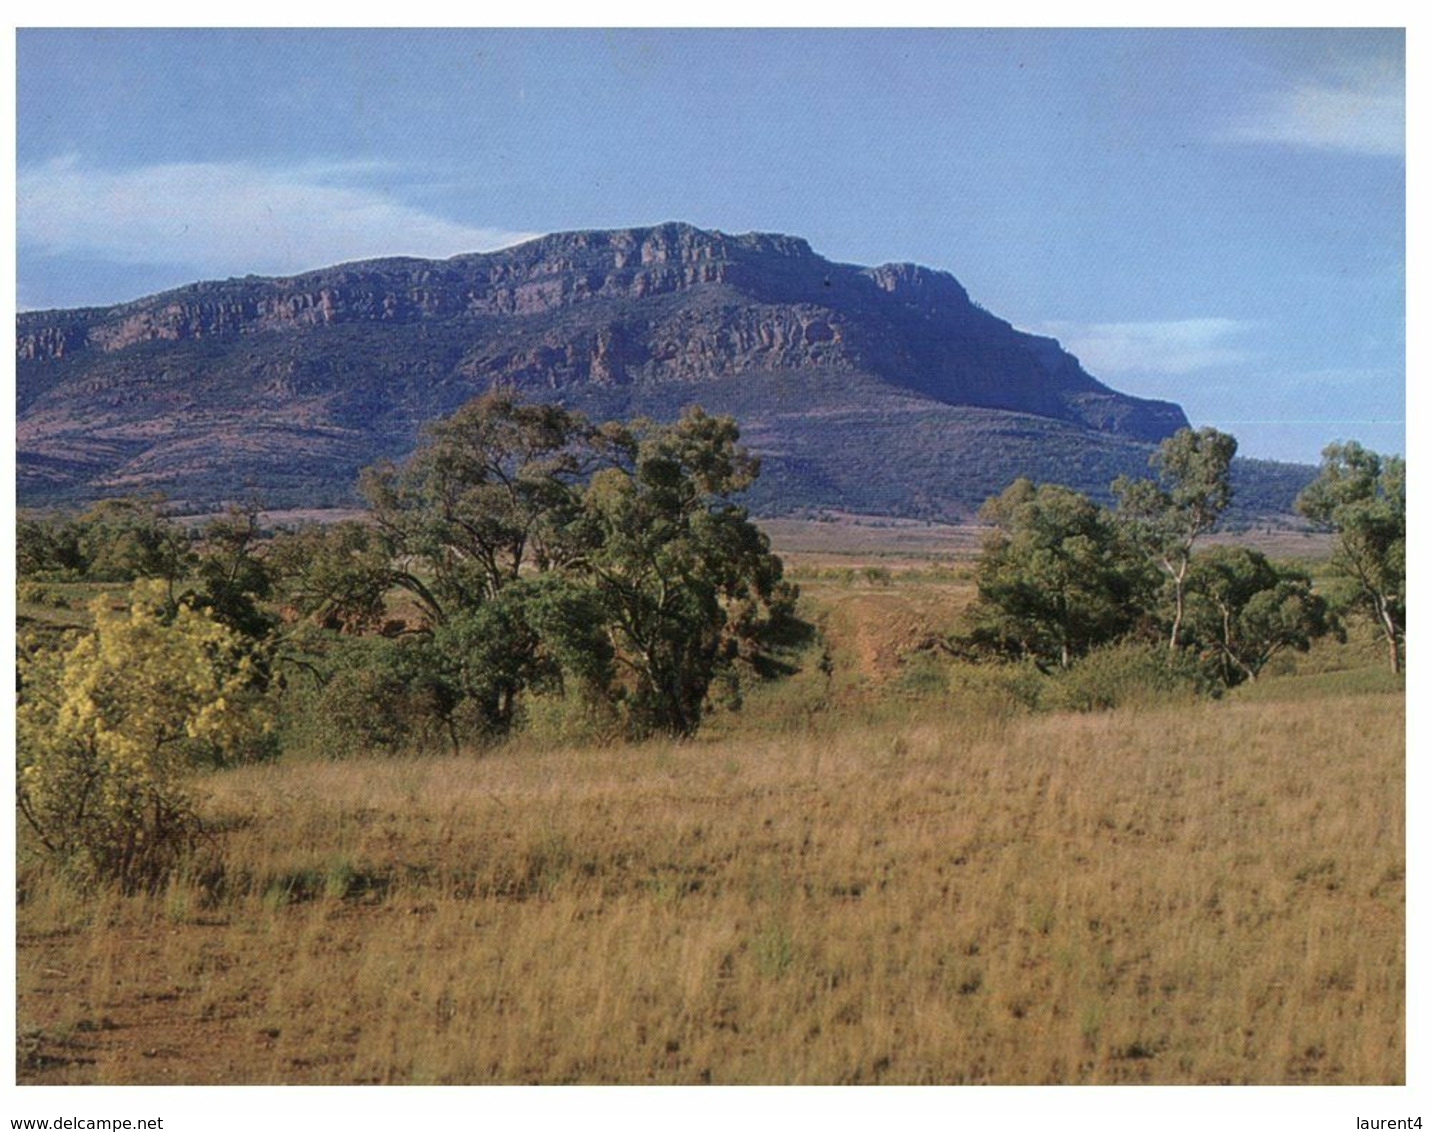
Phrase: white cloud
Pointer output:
(1175, 347)
(222, 218)
(1361, 111)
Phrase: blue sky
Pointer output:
(1212, 217)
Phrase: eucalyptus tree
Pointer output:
(1361, 497)
(1167, 515)
(538, 544)
(486, 493)
(686, 582)
(1244, 610)
(1056, 576)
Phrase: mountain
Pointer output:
(881, 390)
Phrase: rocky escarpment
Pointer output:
(211, 381)
(537, 278)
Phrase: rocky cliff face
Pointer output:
(537, 278)
(634, 320)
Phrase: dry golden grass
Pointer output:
(1196, 895)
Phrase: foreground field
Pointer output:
(1203, 894)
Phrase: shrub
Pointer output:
(37, 593)
(1129, 673)
(570, 719)
(998, 691)
(110, 729)
(378, 695)
(923, 674)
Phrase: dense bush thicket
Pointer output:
(544, 552)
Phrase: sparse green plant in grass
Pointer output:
(339, 878)
(179, 900)
(773, 950)
(549, 860)
(1370, 679)
(924, 674)
(1092, 1017)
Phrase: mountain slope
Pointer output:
(879, 390)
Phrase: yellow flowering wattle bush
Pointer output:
(110, 729)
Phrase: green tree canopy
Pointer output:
(1056, 577)
(335, 575)
(48, 547)
(1243, 610)
(1167, 516)
(1362, 498)
(489, 491)
(541, 546)
(686, 582)
(234, 576)
(115, 540)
